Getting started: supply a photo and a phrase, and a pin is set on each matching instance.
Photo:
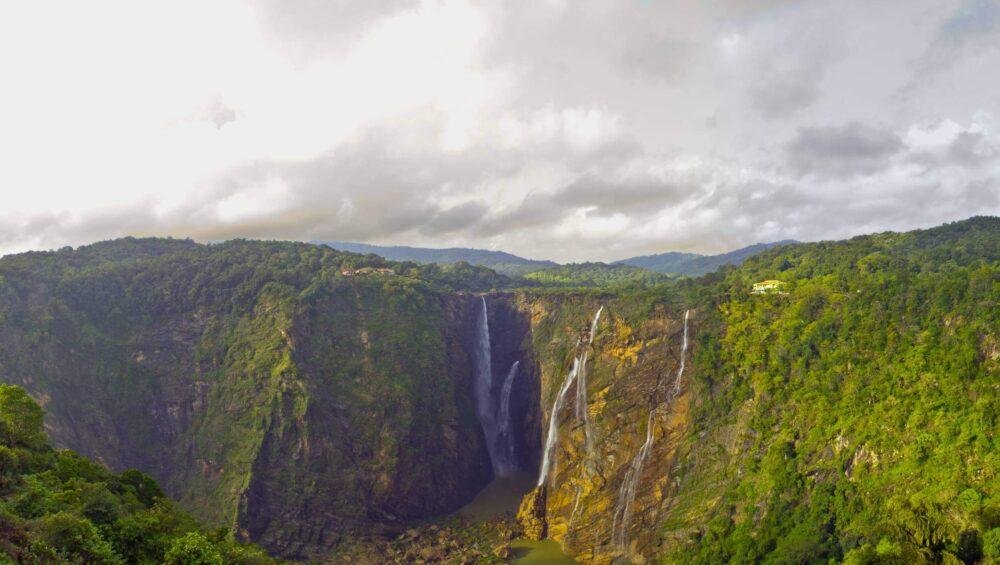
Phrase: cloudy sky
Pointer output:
(555, 129)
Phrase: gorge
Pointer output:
(324, 415)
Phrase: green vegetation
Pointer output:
(210, 366)
(615, 278)
(58, 507)
(855, 417)
(499, 261)
(693, 264)
(850, 417)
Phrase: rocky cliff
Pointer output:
(631, 374)
(267, 392)
(847, 416)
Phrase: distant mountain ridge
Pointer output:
(693, 264)
(671, 262)
(500, 261)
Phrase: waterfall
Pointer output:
(578, 373)
(484, 386)
(581, 387)
(623, 509)
(548, 455)
(505, 434)
(684, 348)
(593, 324)
(626, 496)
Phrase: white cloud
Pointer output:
(520, 126)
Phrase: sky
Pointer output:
(555, 129)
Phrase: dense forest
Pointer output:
(311, 399)
(853, 414)
(59, 507)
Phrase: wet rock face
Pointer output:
(631, 369)
(511, 341)
(531, 514)
(299, 424)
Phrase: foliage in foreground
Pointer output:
(58, 507)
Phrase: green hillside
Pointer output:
(500, 261)
(58, 507)
(853, 417)
(694, 264)
(322, 403)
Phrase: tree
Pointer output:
(193, 549)
(21, 418)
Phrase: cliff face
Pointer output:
(630, 371)
(848, 417)
(301, 413)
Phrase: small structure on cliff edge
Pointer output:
(767, 287)
(367, 271)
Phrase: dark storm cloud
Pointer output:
(842, 151)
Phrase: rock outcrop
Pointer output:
(531, 514)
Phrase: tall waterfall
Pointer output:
(623, 508)
(484, 386)
(626, 496)
(505, 434)
(581, 387)
(684, 348)
(578, 373)
(548, 455)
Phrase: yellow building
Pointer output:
(764, 287)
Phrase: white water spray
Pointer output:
(548, 455)
(684, 348)
(505, 435)
(484, 386)
(578, 373)
(626, 496)
(581, 387)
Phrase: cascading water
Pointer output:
(626, 496)
(484, 386)
(505, 435)
(684, 348)
(581, 387)
(623, 509)
(548, 455)
(578, 373)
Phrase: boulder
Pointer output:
(531, 514)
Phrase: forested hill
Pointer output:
(850, 414)
(221, 266)
(58, 507)
(306, 398)
(693, 264)
(499, 261)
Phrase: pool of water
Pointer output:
(500, 497)
(527, 552)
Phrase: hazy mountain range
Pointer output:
(671, 262)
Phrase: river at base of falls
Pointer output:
(544, 552)
(501, 498)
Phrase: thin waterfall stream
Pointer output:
(581, 387)
(493, 413)
(505, 433)
(579, 374)
(626, 495)
(548, 455)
